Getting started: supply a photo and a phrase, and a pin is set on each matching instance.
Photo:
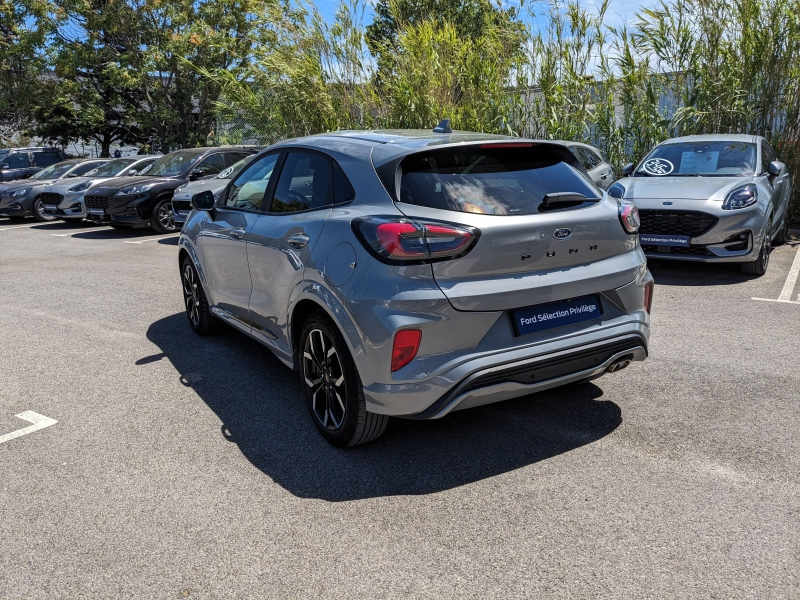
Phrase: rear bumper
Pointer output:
(520, 378)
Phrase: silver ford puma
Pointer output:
(414, 273)
(710, 198)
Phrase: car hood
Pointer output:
(23, 183)
(681, 188)
(60, 186)
(123, 182)
(212, 185)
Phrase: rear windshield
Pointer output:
(511, 180)
(695, 159)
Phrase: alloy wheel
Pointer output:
(165, 216)
(324, 376)
(38, 206)
(191, 293)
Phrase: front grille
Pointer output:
(690, 251)
(676, 222)
(182, 204)
(96, 201)
(50, 198)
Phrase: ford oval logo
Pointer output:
(562, 234)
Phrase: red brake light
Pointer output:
(648, 296)
(508, 145)
(404, 240)
(405, 348)
(629, 216)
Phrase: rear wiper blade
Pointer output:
(565, 198)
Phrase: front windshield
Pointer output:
(111, 168)
(694, 159)
(54, 172)
(233, 169)
(172, 165)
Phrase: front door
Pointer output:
(223, 241)
(280, 244)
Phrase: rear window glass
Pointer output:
(491, 181)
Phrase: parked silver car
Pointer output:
(182, 198)
(591, 158)
(710, 198)
(19, 199)
(64, 199)
(411, 273)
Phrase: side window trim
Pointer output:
(222, 202)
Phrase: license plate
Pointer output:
(183, 213)
(50, 207)
(557, 314)
(96, 211)
(680, 241)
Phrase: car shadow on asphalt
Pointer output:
(63, 225)
(261, 406)
(684, 273)
(112, 234)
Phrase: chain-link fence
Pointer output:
(239, 130)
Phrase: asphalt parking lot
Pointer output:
(188, 467)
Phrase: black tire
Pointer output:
(37, 209)
(202, 321)
(759, 266)
(333, 387)
(161, 217)
(783, 233)
(120, 226)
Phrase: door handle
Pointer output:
(298, 240)
(603, 176)
(237, 233)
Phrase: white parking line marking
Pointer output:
(15, 227)
(80, 231)
(785, 296)
(39, 422)
(163, 237)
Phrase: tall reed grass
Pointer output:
(680, 67)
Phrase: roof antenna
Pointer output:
(443, 127)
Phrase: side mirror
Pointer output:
(775, 168)
(132, 172)
(4, 166)
(628, 169)
(203, 201)
(197, 174)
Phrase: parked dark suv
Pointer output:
(21, 163)
(146, 200)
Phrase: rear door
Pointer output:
(223, 240)
(601, 173)
(527, 253)
(282, 240)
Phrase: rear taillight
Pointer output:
(648, 296)
(405, 348)
(629, 216)
(404, 240)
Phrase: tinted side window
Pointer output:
(342, 190)
(486, 180)
(576, 151)
(45, 159)
(234, 157)
(767, 156)
(247, 190)
(305, 183)
(211, 165)
(17, 161)
(590, 160)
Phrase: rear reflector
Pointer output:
(648, 296)
(405, 348)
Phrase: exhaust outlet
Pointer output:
(619, 364)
